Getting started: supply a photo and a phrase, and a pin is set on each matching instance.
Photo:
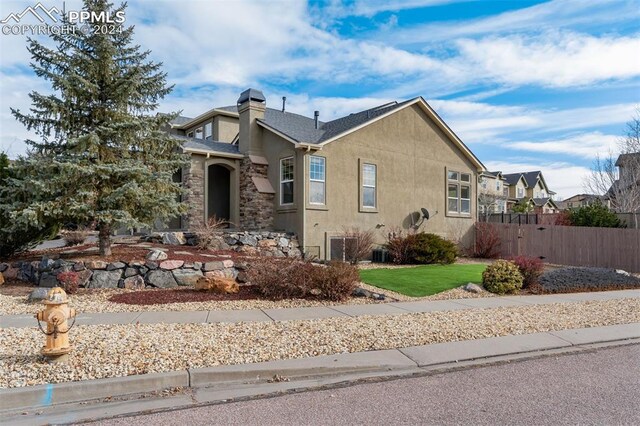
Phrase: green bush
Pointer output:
(431, 248)
(596, 214)
(502, 277)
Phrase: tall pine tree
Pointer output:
(104, 156)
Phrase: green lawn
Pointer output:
(423, 280)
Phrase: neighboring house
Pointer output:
(493, 193)
(269, 169)
(581, 200)
(530, 186)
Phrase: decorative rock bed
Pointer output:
(160, 272)
(573, 279)
(278, 244)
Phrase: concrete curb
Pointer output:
(59, 393)
(382, 363)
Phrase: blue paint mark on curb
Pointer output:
(48, 396)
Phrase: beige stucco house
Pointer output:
(493, 193)
(269, 169)
(531, 188)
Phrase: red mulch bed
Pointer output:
(162, 296)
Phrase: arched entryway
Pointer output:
(221, 189)
(219, 192)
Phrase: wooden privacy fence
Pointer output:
(572, 245)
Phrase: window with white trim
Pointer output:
(199, 133)
(286, 181)
(459, 193)
(369, 183)
(317, 180)
(208, 130)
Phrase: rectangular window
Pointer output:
(369, 184)
(498, 186)
(317, 181)
(520, 192)
(286, 181)
(208, 130)
(459, 193)
(199, 133)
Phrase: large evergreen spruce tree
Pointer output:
(104, 157)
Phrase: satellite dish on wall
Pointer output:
(425, 213)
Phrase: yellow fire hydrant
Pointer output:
(56, 314)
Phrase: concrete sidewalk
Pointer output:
(93, 399)
(291, 314)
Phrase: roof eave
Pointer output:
(430, 111)
(202, 117)
(303, 145)
(210, 153)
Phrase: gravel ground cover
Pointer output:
(121, 350)
(566, 280)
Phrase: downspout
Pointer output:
(303, 204)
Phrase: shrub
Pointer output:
(293, 278)
(358, 245)
(335, 281)
(399, 246)
(530, 268)
(563, 219)
(431, 248)
(75, 237)
(596, 214)
(69, 281)
(207, 233)
(502, 277)
(487, 243)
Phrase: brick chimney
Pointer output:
(251, 106)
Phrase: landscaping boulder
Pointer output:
(10, 273)
(48, 279)
(187, 277)
(105, 279)
(156, 255)
(28, 271)
(472, 288)
(361, 292)
(217, 285)
(213, 266)
(174, 239)
(135, 282)
(79, 266)
(161, 279)
(116, 265)
(3, 267)
(84, 276)
(96, 264)
(248, 240)
(150, 265)
(231, 273)
(46, 264)
(38, 294)
(130, 272)
(170, 265)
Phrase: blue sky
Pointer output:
(527, 85)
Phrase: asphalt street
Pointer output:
(600, 387)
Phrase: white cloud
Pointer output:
(550, 15)
(586, 145)
(564, 178)
(553, 59)
(492, 124)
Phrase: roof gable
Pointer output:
(302, 130)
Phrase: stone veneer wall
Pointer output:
(157, 270)
(256, 208)
(193, 182)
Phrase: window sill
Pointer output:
(286, 209)
(368, 209)
(317, 207)
(459, 215)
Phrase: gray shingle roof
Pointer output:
(302, 129)
(208, 145)
(512, 178)
(180, 120)
(531, 177)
